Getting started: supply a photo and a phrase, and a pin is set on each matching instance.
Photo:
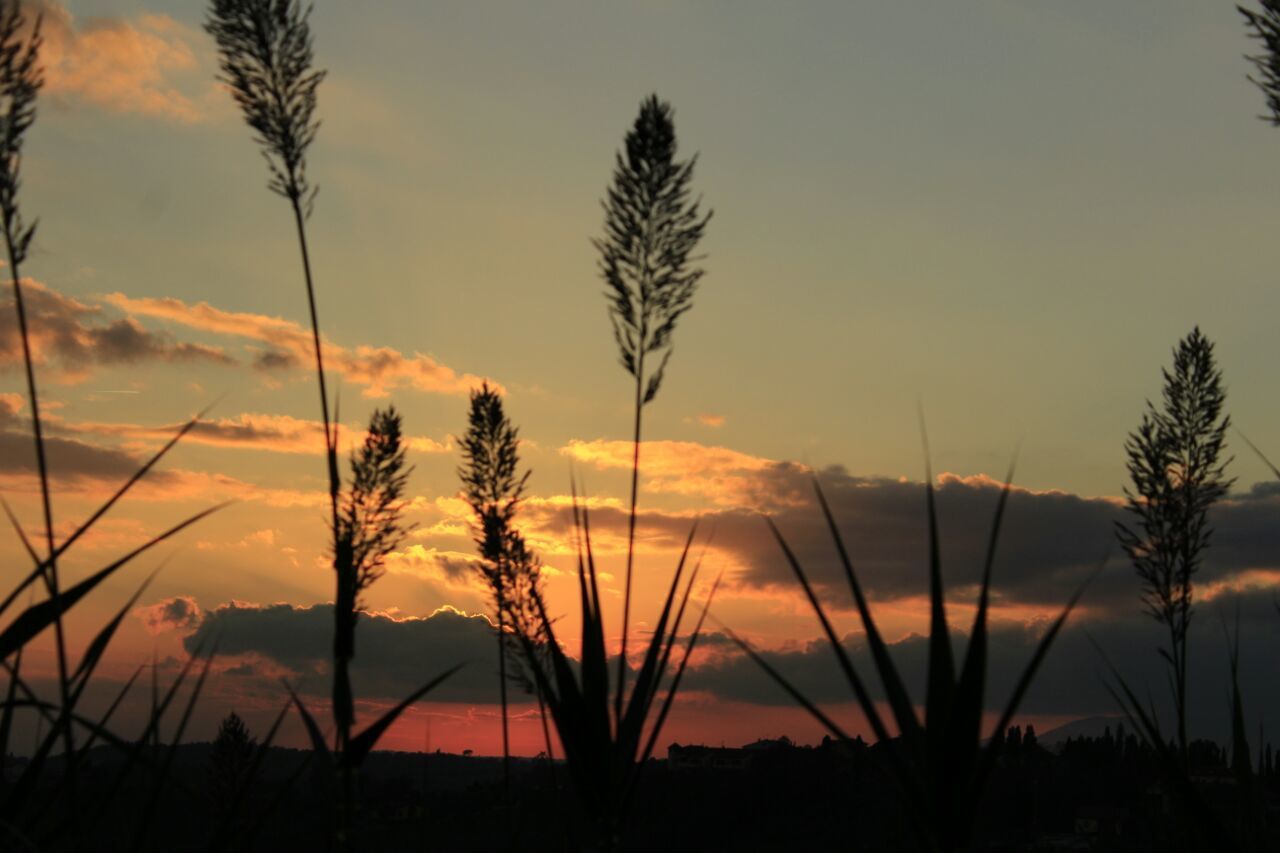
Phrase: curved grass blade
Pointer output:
(630, 727)
(131, 482)
(904, 713)
(93, 654)
(147, 821)
(97, 514)
(1260, 454)
(318, 742)
(22, 536)
(966, 720)
(669, 700)
(679, 674)
(1024, 682)
(942, 672)
(36, 618)
(816, 712)
(362, 744)
(846, 665)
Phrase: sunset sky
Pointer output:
(1004, 211)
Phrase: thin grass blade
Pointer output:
(631, 725)
(36, 618)
(904, 713)
(363, 743)
(846, 665)
(318, 742)
(781, 680)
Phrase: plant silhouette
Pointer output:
(266, 57)
(1176, 476)
(493, 487)
(651, 228)
(1264, 26)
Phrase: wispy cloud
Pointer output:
(379, 369)
(73, 337)
(727, 477)
(85, 469)
(145, 65)
(249, 430)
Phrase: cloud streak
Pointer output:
(145, 65)
(726, 477)
(379, 369)
(74, 337)
(249, 430)
(92, 470)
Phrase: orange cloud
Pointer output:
(277, 433)
(379, 369)
(87, 471)
(74, 337)
(126, 66)
(727, 477)
(451, 568)
(180, 613)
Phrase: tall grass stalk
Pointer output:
(1176, 471)
(266, 59)
(651, 228)
(940, 763)
(493, 486)
(20, 82)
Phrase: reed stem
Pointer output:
(631, 539)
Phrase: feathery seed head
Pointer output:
(266, 59)
(1264, 25)
(651, 229)
(20, 82)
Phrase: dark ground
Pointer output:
(1099, 793)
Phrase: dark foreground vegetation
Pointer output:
(1101, 793)
(931, 779)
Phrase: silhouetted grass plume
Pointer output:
(493, 487)
(266, 57)
(1264, 25)
(1177, 475)
(651, 228)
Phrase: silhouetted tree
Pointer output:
(651, 229)
(1264, 25)
(1013, 740)
(1176, 473)
(229, 762)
